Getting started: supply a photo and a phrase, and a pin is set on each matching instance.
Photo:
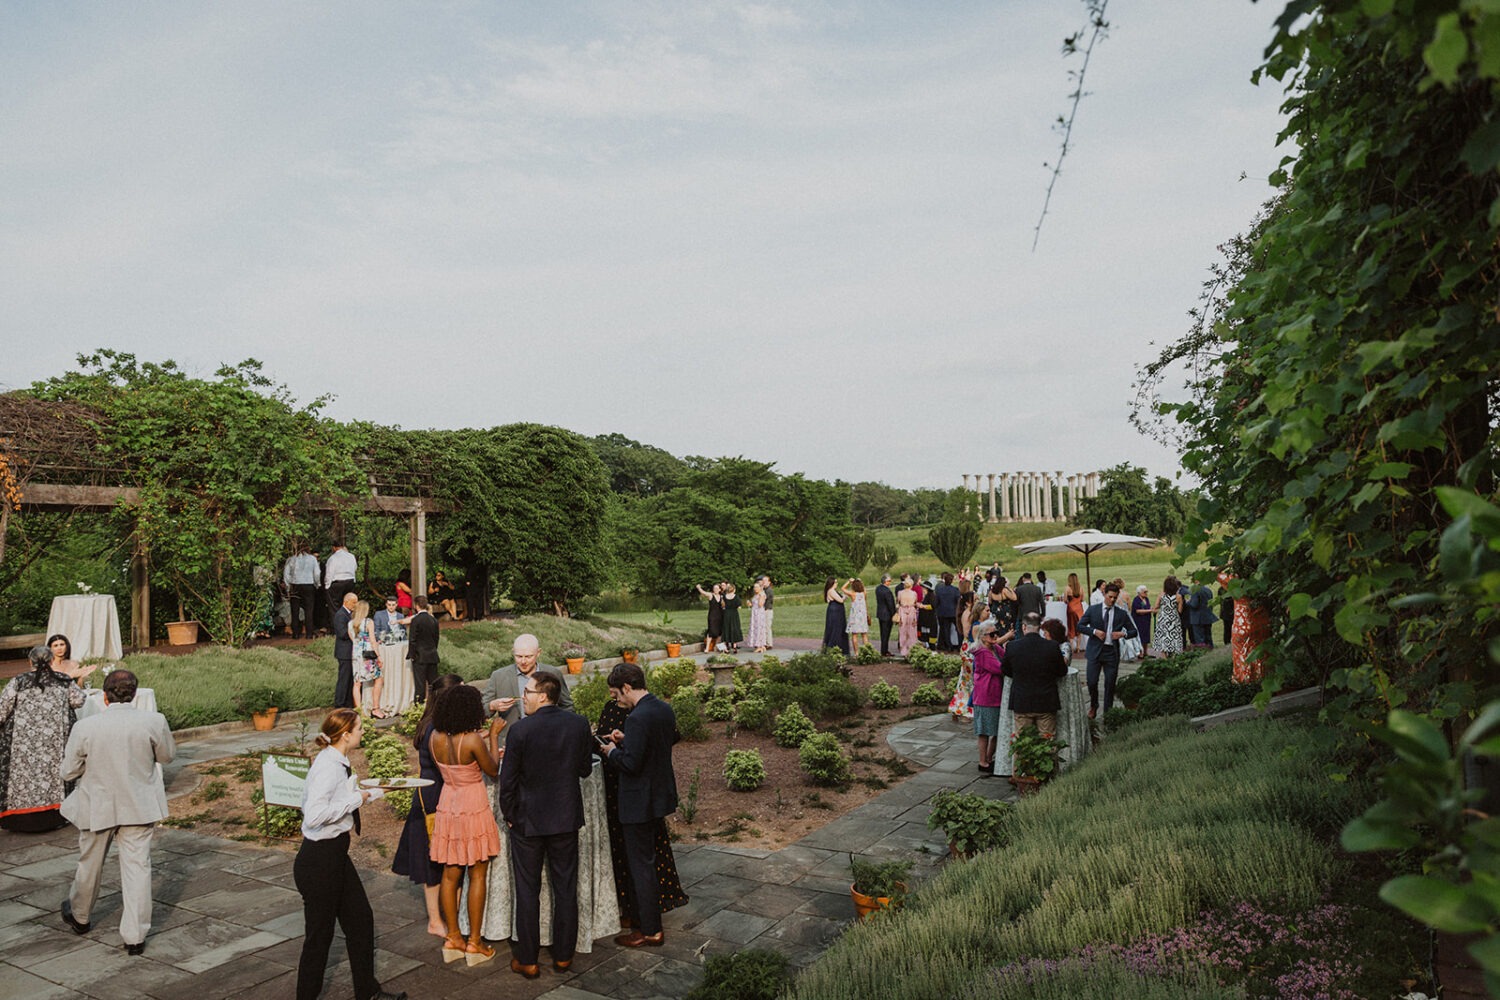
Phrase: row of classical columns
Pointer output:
(1033, 496)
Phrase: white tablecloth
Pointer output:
(598, 903)
(144, 698)
(1058, 610)
(399, 689)
(90, 621)
(1072, 723)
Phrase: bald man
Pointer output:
(502, 692)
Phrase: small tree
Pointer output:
(883, 557)
(955, 542)
(859, 546)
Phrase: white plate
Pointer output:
(395, 783)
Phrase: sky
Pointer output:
(798, 232)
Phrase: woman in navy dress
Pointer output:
(835, 619)
(412, 852)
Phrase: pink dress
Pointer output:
(463, 827)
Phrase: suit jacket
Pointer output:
(648, 786)
(1033, 664)
(113, 757)
(885, 603)
(506, 683)
(1094, 617)
(343, 646)
(1200, 607)
(945, 600)
(383, 621)
(422, 639)
(1029, 598)
(545, 755)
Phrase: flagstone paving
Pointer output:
(228, 920)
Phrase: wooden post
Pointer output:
(140, 595)
(418, 524)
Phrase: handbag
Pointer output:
(427, 817)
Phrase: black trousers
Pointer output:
(946, 628)
(304, 608)
(1107, 661)
(885, 637)
(422, 676)
(1228, 630)
(560, 852)
(343, 688)
(336, 591)
(332, 892)
(640, 854)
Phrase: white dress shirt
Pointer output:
(341, 565)
(301, 571)
(330, 797)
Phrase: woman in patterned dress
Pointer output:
(759, 632)
(37, 712)
(858, 625)
(1167, 638)
(906, 619)
(367, 666)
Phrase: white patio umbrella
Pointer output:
(1088, 541)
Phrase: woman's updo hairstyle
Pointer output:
(339, 722)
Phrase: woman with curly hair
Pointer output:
(413, 852)
(464, 833)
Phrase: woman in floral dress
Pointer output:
(37, 712)
(858, 625)
(759, 633)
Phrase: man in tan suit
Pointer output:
(119, 797)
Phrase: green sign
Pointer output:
(282, 777)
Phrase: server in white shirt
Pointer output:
(326, 878)
(301, 578)
(338, 576)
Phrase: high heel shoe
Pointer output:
(477, 954)
(452, 953)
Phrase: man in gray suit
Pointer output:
(502, 692)
(119, 797)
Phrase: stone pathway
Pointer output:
(228, 920)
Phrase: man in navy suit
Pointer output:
(546, 753)
(343, 652)
(885, 612)
(1105, 625)
(642, 753)
(945, 601)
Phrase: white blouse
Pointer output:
(329, 797)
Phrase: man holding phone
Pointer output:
(502, 692)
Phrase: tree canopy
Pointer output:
(1127, 505)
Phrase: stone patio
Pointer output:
(228, 921)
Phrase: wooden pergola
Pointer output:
(53, 454)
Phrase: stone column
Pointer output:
(1034, 496)
(1025, 492)
(1093, 484)
(417, 533)
(992, 497)
(966, 490)
(1018, 499)
(1073, 496)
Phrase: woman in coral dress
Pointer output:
(464, 833)
(1074, 596)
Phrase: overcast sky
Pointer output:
(797, 232)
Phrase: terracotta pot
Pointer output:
(263, 720)
(674, 650)
(630, 656)
(1026, 786)
(182, 633)
(575, 664)
(866, 905)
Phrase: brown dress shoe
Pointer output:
(562, 965)
(635, 939)
(529, 971)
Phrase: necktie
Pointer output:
(1109, 626)
(349, 771)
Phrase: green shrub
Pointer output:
(275, 821)
(689, 712)
(867, 654)
(940, 666)
(755, 974)
(744, 675)
(719, 708)
(823, 760)
(971, 822)
(406, 722)
(752, 713)
(259, 699)
(668, 676)
(793, 727)
(744, 770)
(1103, 976)
(881, 879)
(590, 696)
(884, 694)
(929, 694)
(386, 755)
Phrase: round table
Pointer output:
(400, 689)
(145, 699)
(90, 621)
(598, 902)
(1072, 723)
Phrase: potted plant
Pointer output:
(722, 667)
(261, 704)
(184, 631)
(674, 649)
(1035, 757)
(630, 652)
(877, 885)
(574, 655)
(971, 822)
